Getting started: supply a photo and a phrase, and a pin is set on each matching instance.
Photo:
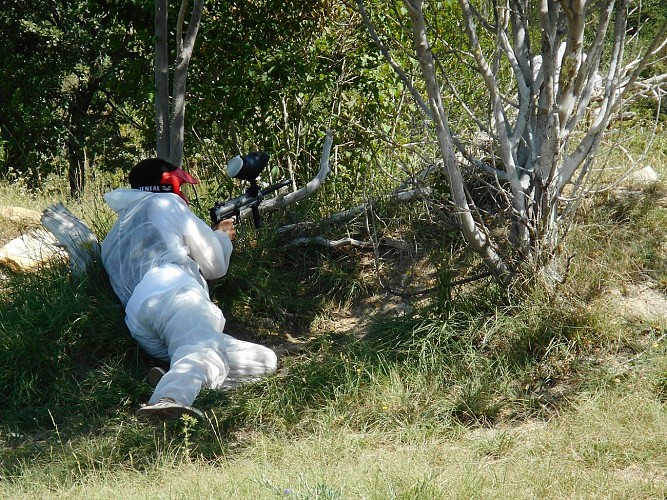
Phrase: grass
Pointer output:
(609, 446)
(459, 393)
(416, 409)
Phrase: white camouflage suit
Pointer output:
(158, 256)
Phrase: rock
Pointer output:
(644, 176)
(19, 214)
(63, 236)
(29, 251)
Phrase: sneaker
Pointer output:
(166, 409)
(154, 375)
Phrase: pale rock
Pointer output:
(19, 214)
(29, 251)
(644, 176)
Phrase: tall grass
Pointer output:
(65, 350)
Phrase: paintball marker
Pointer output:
(246, 168)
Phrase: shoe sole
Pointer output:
(163, 413)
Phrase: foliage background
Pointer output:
(262, 77)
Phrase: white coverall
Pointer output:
(158, 256)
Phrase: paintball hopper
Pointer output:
(248, 167)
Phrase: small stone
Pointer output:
(644, 176)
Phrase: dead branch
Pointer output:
(283, 198)
(329, 243)
(74, 235)
(315, 183)
(401, 194)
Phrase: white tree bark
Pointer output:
(538, 118)
(162, 78)
(313, 185)
(184, 48)
(284, 199)
(475, 237)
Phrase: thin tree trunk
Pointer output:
(184, 48)
(78, 111)
(539, 96)
(162, 78)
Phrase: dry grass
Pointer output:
(605, 446)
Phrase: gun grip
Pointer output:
(256, 218)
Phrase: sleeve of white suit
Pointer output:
(211, 250)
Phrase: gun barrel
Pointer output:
(275, 187)
(233, 208)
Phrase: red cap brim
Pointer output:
(184, 176)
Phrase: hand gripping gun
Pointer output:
(246, 168)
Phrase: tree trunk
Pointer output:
(76, 139)
(170, 110)
(538, 103)
(184, 48)
(162, 78)
(475, 237)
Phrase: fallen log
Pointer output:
(74, 236)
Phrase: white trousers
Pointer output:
(183, 327)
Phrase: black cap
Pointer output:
(149, 172)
